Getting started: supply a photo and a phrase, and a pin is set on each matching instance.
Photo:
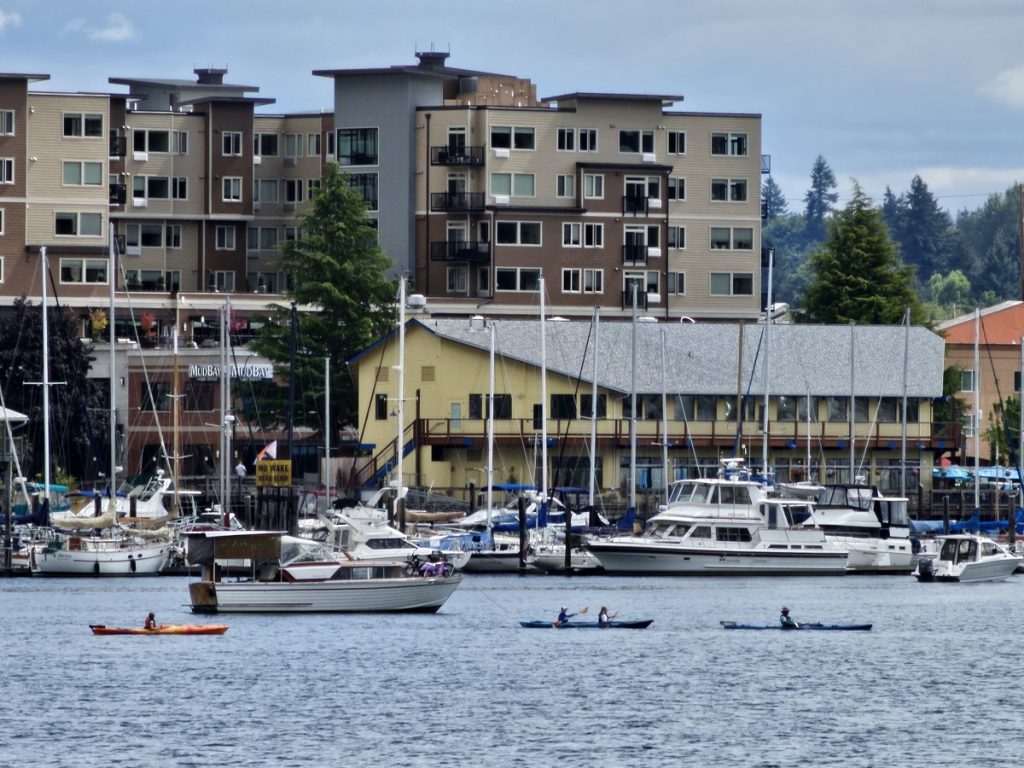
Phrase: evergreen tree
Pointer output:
(819, 199)
(925, 234)
(856, 276)
(338, 268)
(988, 246)
(773, 202)
(894, 211)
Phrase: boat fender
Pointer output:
(131, 564)
(96, 568)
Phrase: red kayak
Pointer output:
(163, 629)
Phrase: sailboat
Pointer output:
(72, 551)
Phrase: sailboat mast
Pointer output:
(327, 431)
(664, 418)
(112, 333)
(46, 384)
(632, 411)
(593, 412)
(176, 438)
(401, 391)
(490, 426)
(903, 420)
(543, 402)
(977, 410)
(853, 434)
(767, 373)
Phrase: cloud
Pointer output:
(9, 19)
(118, 29)
(1006, 88)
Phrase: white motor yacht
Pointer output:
(966, 557)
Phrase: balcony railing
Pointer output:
(457, 155)
(464, 202)
(636, 204)
(118, 146)
(634, 253)
(627, 298)
(118, 194)
(460, 250)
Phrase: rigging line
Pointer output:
(575, 395)
(1000, 412)
(252, 394)
(746, 395)
(686, 428)
(874, 417)
(370, 404)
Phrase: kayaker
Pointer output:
(603, 619)
(787, 621)
(564, 615)
(150, 621)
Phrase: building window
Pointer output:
(180, 142)
(264, 144)
(231, 143)
(967, 381)
(734, 144)
(78, 225)
(647, 281)
(586, 403)
(731, 284)
(566, 140)
(571, 234)
(268, 238)
(225, 238)
(264, 191)
(565, 185)
(676, 188)
(636, 141)
(232, 189)
(514, 184)
(179, 188)
(6, 170)
(588, 140)
(563, 406)
(292, 233)
(1, 257)
(145, 280)
(294, 145)
(517, 279)
(83, 271)
(458, 280)
(732, 239)
(677, 238)
(593, 186)
(172, 235)
(144, 235)
(593, 281)
(582, 280)
(593, 235)
(512, 137)
(150, 188)
(366, 185)
(330, 144)
(313, 144)
(293, 190)
(675, 283)
(77, 124)
(730, 190)
(1, 221)
(224, 281)
(572, 281)
(357, 146)
(151, 141)
(380, 407)
(262, 282)
(677, 143)
(312, 187)
(518, 233)
(6, 122)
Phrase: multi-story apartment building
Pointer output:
(482, 187)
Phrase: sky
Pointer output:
(883, 89)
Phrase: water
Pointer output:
(935, 683)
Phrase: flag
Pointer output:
(270, 452)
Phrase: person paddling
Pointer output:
(787, 621)
(150, 621)
(564, 616)
(603, 617)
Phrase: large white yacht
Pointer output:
(726, 525)
(875, 529)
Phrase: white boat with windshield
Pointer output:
(965, 557)
(874, 528)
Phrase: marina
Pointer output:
(578, 699)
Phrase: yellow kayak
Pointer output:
(163, 629)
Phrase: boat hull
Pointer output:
(167, 629)
(414, 594)
(581, 561)
(130, 561)
(657, 559)
(973, 573)
(880, 556)
(640, 624)
(809, 627)
(494, 561)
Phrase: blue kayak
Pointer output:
(807, 625)
(641, 624)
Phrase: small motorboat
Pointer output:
(613, 624)
(801, 625)
(966, 557)
(163, 629)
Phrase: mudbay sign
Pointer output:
(246, 371)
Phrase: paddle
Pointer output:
(580, 612)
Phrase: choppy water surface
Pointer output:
(935, 683)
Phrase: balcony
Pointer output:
(460, 250)
(627, 298)
(634, 204)
(471, 156)
(634, 253)
(457, 202)
(118, 146)
(118, 194)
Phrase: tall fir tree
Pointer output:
(819, 199)
(773, 201)
(856, 276)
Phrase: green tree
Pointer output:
(926, 234)
(773, 201)
(1001, 431)
(820, 199)
(785, 233)
(951, 291)
(338, 269)
(856, 276)
(988, 246)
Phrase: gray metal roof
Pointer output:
(701, 358)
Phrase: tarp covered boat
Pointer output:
(802, 625)
(639, 624)
(164, 629)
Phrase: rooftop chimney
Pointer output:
(432, 59)
(210, 76)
